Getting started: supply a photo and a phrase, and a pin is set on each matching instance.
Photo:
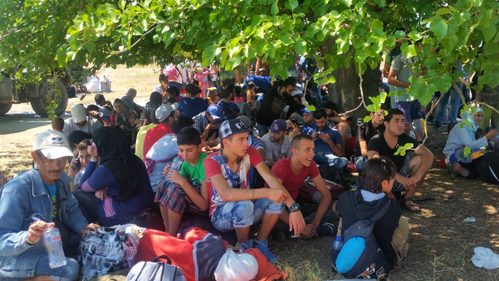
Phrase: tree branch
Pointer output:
(361, 93)
(136, 42)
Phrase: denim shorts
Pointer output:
(230, 215)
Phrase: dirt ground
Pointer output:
(441, 245)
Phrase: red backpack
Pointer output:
(197, 254)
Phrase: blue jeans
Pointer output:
(69, 272)
(359, 162)
(240, 214)
(262, 129)
(322, 158)
(455, 101)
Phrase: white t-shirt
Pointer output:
(91, 125)
(158, 89)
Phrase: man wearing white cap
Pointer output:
(33, 202)
(80, 121)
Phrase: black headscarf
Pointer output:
(116, 156)
(156, 98)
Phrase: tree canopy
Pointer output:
(41, 36)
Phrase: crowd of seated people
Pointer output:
(245, 160)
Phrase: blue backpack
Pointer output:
(360, 256)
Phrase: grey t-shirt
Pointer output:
(404, 67)
(276, 151)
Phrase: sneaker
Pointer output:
(456, 167)
(326, 229)
(263, 246)
(246, 245)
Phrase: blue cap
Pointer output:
(215, 112)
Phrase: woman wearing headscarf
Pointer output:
(457, 156)
(118, 188)
(155, 101)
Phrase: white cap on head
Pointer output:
(52, 144)
(79, 113)
(163, 112)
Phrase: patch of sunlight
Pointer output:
(412, 226)
(444, 237)
(427, 213)
(490, 209)
(450, 191)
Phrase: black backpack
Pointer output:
(488, 167)
(371, 262)
(334, 174)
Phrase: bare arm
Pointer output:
(394, 81)
(236, 194)
(325, 201)
(363, 148)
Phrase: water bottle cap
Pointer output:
(338, 238)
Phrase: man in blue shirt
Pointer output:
(227, 95)
(327, 141)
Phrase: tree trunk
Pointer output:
(346, 91)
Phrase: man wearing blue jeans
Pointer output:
(233, 204)
(455, 102)
(33, 202)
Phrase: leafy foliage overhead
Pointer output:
(43, 35)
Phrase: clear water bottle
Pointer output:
(53, 244)
(338, 243)
(176, 164)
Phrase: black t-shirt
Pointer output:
(378, 144)
(272, 105)
(364, 133)
(352, 207)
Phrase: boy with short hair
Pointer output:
(57, 124)
(188, 191)
(378, 176)
(77, 171)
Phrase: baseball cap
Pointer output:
(245, 119)
(232, 127)
(193, 89)
(163, 112)
(278, 126)
(215, 112)
(52, 144)
(79, 113)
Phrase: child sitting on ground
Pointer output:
(378, 176)
(188, 192)
(57, 124)
(79, 164)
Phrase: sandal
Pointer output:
(411, 205)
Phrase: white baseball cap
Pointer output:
(79, 113)
(163, 112)
(52, 144)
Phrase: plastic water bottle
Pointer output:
(53, 244)
(176, 164)
(338, 243)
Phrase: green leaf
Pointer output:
(293, 4)
(439, 27)
(442, 11)
(467, 151)
(225, 54)
(489, 32)
(367, 119)
(208, 55)
(122, 4)
(286, 40)
(377, 27)
(233, 63)
(62, 56)
(90, 46)
(371, 108)
(156, 38)
(275, 9)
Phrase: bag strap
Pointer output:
(379, 214)
(168, 260)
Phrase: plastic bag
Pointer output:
(484, 257)
(236, 267)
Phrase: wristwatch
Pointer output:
(295, 207)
